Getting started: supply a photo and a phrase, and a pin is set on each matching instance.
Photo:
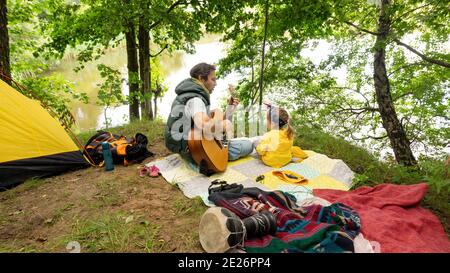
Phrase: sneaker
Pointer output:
(154, 171)
(144, 171)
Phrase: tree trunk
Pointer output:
(157, 94)
(4, 44)
(155, 100)
(261, 76)
(246, 123)
(395, 131)
(144, 69)
(133, 70)
(106, 117)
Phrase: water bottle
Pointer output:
(107, 156)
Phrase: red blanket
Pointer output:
(391, 215)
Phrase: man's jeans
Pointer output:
(237, 148)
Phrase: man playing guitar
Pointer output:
(190, 110)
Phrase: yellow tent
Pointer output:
(32, 142)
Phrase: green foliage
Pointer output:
(369, 171)
(54, 93)
(418, 88)
(349, 109)
(314, 138)
(110, 92)
(24, 36)
(289, 24)
(157, 77)
(92, 26)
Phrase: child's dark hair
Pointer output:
(280, 117)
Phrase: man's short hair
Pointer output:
(202, 70)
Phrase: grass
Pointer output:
(109, 194)
(369, 171)
(32, 184)
(115, 232)
(3, 219)
(184, 206)
(28, 185)
(21, 250)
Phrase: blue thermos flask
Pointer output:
(107, 156)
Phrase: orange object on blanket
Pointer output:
(289, 176)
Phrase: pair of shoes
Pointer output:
(222, 186)
(152, 171)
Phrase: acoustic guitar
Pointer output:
(213, 151)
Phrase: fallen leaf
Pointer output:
(17, 212)
(41, 239)
(73, 180)
(129, 219)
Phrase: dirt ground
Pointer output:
(100, 211)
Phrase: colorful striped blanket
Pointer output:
(313, 228)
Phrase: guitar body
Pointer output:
(213, 151)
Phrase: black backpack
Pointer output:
(124, 150)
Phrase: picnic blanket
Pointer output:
(320, 171)
(391, 215)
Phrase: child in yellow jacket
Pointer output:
(276, 146)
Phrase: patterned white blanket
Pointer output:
(319, 170)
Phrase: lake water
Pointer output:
(175, 68)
